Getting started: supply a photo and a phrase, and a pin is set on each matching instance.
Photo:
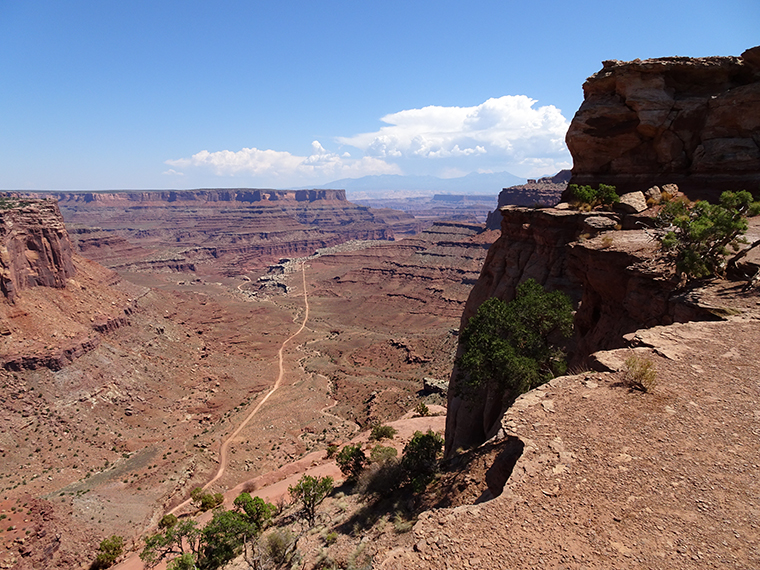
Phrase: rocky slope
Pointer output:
(227, 231)
(690, 121)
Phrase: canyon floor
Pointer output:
(120, 434)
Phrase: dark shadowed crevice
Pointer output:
(504, 463)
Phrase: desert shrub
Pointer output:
(516, 344)
(310, 492)
(381, 432)
(223, 537)
(280, 548)
(167, 521)
(108, 551)
(381, 454)
(420, 459)
(351, 461)
(258, 511)
(422, 410)
(380, 478)
(586, 197)
(702, 232)
(184, 562)
(640, 373)
(206, 501)
(331, 450)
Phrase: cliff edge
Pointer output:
(35, 250)
(694, 122)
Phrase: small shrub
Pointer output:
(331, 537)
(701, 233)
(422, 410)
(420, 460)
(108, 551)
(606, 241)
(310, 492)
(586, 198)
(381, 432)
(640, 373)
(381, 454)
(351, 461)
(331, 450)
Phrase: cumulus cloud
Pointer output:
(508, 130)
(507, 133)
(285, 168)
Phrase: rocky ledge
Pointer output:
(690, 121)
(611, 275)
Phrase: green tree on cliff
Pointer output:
(702, 233)
(516, 345)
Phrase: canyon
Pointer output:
(135, 349)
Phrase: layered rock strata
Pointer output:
(608, 274)
(690, 121)
(543, 191)
(35, 249)
(226, 231)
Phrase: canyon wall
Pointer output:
(608, 274)
(222, 231)
(694, 122)
(35, 250)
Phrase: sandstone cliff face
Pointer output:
(608, 276)
(232, 196)
(226, 231)
(690, 121)
(35, 250)
(546, 191)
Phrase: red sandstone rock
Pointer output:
(35, 249)
(690, 121)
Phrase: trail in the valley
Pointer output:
(224, 450)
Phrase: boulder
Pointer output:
(632, 203)
(653, 194)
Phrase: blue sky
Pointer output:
(185, 94)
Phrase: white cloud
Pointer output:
(284, 168)
(173, 172)
(506, 133)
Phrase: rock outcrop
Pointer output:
(690, 121)
(607, 273)
(544, 191)
(35, 250)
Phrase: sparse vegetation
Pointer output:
(516, 345)
(640, 373)
(206, 501)
(421, 410)
(587, 198)
(420, 459)
(109, 550)
(351, 461)
(701, 233)
(381, 432)
(310, 492)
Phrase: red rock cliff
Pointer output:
(607, 275)
(34, 246)
(690, 121)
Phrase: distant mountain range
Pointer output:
(398, 186)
